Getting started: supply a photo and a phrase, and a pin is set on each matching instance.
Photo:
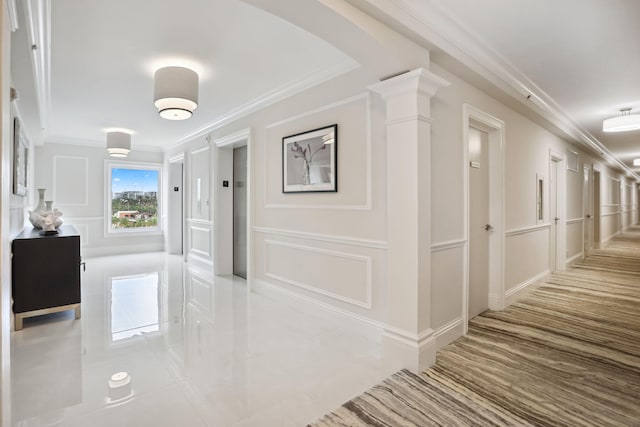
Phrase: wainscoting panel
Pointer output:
(199, 239)
(70, 181)
(526, 256)
(342, 276)
(447, 282)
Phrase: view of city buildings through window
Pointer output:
(134, 198)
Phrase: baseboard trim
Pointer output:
(577, 257)
(448, 332)
(521, 289)
(269, 289)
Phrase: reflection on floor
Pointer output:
(163, 344)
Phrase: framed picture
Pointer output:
(309, 161)
(20, 160)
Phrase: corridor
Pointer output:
(566, 355)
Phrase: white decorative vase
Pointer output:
(39, 209)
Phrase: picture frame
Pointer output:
(310, 161)
(20, 160)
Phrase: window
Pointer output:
(133, 195)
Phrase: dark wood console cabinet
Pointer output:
(45, 273)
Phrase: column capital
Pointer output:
(420, 81)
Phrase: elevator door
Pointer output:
(240, 211)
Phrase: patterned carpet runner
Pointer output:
(566, 355)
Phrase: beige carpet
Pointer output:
(567, 355)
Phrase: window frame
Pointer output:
(146, 231)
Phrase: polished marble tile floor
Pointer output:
(197, 350)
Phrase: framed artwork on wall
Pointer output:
(309, 161)
(20, 160)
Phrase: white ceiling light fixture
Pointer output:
(625, 122)
(175, 92)
(636, 162)
(118, 144)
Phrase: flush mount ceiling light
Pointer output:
(636, 162)
(118, 144)
(625, 122)
(175, 92)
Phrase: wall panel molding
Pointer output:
(575, 221)
(341, 240)
(367, 260)
(61, 183)
(517, 292)
(448, 245)
(525, 230)
(368, 205)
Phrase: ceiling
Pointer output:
(104, 54)
(580, 59)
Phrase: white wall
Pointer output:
(74, 177)
(527, 155)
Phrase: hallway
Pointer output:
(199, 350)
(567, 355)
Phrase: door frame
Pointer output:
(597, 206)
(223, 203)
(587, 209)
(560, 161)
(495, 129)
(178, 158)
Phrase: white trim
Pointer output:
(199, 221)
(450, 244)
(263, 287)
(176, 158)
(148, 231)
(610, 213)
(198, 251)
(283, 92)
(13, 15)
(448, 332)
(577, 257)
(233, 138)
(199, 150)
(524, 230)
(561, 207)
(407, 337)
(86, 174)
(575, 221)
(431, 21)
(341, 240)
(496, 130)
(366, 259)
(38, 17)
(339, 103)
(229, 142)
(368, 205)
(68, 219)
(518, 291)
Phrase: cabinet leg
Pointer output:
(18, 322)
(78, 311)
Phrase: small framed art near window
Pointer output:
(20, 159)
(309, 161)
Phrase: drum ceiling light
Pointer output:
(624, 122)
(175, 92)
(118, 144)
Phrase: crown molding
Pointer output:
(270, 98)
(13, 15)
(38, 18)
(428, 20)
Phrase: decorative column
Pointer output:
(408, 340)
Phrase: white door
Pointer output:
(586, 207)
(479, 228)
(553, 214)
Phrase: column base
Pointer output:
(401, 351)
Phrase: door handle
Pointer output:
(488, 227)
(556, 219)
(588, 216)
